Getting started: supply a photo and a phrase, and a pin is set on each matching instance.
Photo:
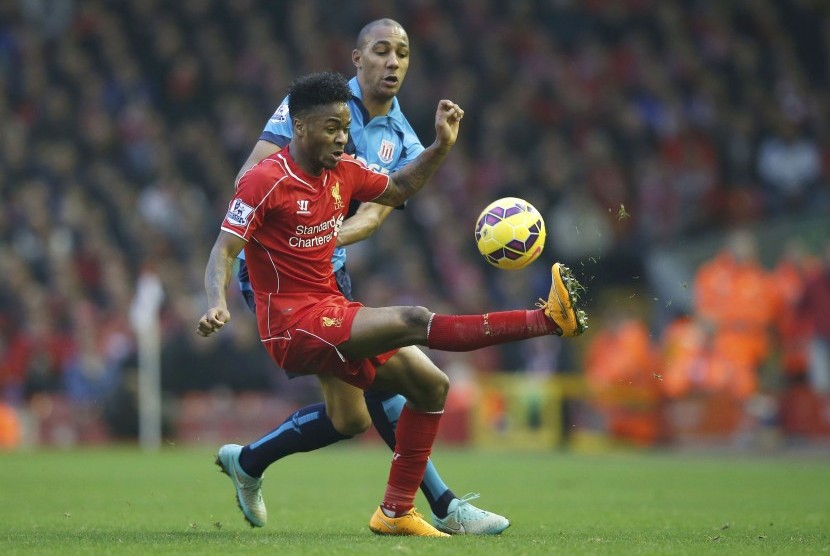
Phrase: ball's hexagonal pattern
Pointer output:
(510, 233)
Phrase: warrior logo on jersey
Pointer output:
(239, 212)
(281, 114)
(386, 151)
(335, 194)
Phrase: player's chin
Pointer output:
(332, 160)
(389, 88)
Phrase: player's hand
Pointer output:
(213, 320)
(447, 119)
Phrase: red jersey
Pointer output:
(290, 220)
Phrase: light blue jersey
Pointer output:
(384, 143)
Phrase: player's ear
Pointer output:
(356, 58)
(299, 126)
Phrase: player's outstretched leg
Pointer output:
(559, 315)
(450, 514)
(562, 305)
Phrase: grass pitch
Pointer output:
(122, 501)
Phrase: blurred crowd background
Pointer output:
(677, 148)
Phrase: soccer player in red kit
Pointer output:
(286, 213)
(381, 137)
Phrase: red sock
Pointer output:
(413, 437)
(469, 332)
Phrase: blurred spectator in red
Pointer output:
(693, 161)
(621, 370)
(816, 305)
(12, 361)
(793, 329)
(42, 345)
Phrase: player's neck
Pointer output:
(308, 166)
(377, 107)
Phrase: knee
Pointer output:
(441, 389)
(416, 317)
(433, 395)
(351, 423)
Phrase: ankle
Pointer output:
(541, 323)
(398, 511)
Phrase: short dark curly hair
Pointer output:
(316, 89)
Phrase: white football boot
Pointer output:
(248, 489)
(465, 519)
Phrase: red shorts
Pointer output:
(310, 346)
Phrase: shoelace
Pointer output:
(465, 501)
(415, 513)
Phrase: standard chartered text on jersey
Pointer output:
(304, 243)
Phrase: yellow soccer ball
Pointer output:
(510, 233)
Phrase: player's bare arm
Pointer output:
(217, 277)
(411, 178)
(363, 223)
(263, 149)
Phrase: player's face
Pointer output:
(323, 133)
(382, 62)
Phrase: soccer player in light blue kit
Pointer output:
(381, 137)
